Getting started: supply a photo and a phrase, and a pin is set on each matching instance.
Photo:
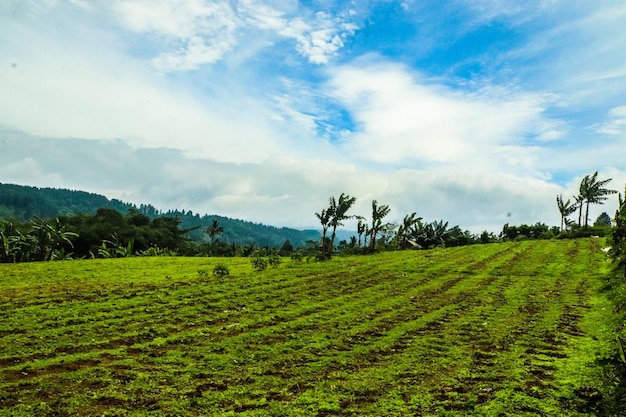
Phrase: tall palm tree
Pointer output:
(378, 213)
(339, 209)
(214, 230)
(360, 229)
(565, 208)
(593, 192)
(579, 200)
(324, 218)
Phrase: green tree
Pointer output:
(565, 209)
(579, 204)
(214, 230)
(603, 220)
(593, 191)
(378, 213)
(618, 236)
(339, 209)
(286, 249)
(405, 231)
(50, 238)
(361, 227)
(324, 217)
(7, 229)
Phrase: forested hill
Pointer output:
(23, 203)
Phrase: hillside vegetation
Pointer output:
(24, 203)
(508, 329)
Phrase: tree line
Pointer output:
(19, 203)
(415, 233)
(147, 231)
(110, 234)
(374, 234)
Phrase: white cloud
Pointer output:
(27, 171)
(403, 118)
(616, 125)
(199, 32)
(318, 37)
(280, 191)
(94, 90)
(196, 32)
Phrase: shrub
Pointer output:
(297, 257)
(274, 260)
(259, 263)
(221, 270)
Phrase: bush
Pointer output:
(297, 257)
(221, 270)
(274, 260)
(259, 263)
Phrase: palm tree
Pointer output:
(214, 230)
(593, 192)
(579, 199)
(378, 213)
(324, 218)
(404, 231)
(565, 208)
(360, 229)
(338, 208)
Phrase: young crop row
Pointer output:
(500, 329)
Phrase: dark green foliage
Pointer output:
(618, 237)
(38, 240)
(378, 213)
(620, 350)
(274, 260)
(565, 209)
(214, 230)
(524, 231)
(286, 249)
(203, 273)
(592, 191)
(107, 234)
(297, 256)
(330, 219)
(118, 232)
(23, 203)
(603, 220)
(259, 263)
(221, 270)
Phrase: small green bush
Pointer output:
(274, 260)
(259, 263)
(221, 270)
(297, 257)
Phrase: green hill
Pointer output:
(23, 203)
(508, 329)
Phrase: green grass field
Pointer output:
(511, 329)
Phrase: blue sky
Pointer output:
(478, 112)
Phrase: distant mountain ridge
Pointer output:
(23, 203)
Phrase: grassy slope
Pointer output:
(503, 330)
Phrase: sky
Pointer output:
(477, 112)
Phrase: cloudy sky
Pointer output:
(478, 112)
